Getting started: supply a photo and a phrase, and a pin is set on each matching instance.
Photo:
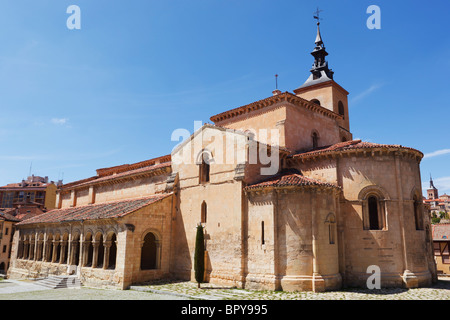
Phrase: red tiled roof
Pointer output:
(5, 215)
(128, 167)
(260, 104)
(115, 209)
(98, 179)
(441, 231)
(289, 177)
(349, 145)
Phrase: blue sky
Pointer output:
(73, 101)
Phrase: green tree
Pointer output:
(435, 220)
(199, 255)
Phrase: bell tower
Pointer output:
(320, 86)
(432, 191)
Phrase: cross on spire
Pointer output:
(317, 15)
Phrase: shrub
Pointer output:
(199, 255)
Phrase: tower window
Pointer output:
(315, 140)
(341, 109)
(315, 101)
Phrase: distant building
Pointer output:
(437, 204)
(7, 222)
(21, 201)
(30, 197)
(441, 244)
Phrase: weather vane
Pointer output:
(316, 15)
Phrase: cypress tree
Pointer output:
(199, 255)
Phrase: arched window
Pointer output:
(344, 139)
(149, 252)
(112, 253)
(374, 200)
(315, 139)
(204, 212)
(341, 109)
(315, 101)
(100, 251)
(65, 248)
(373, 213)
(89, 250)
(204, 169)
(76, 249)
(331, 221)
(418, 217)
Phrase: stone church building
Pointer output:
(288, 199)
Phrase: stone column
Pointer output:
(54, 251)
(39, 250)
(74, 249)
(107, 244)
(409, 278)
(33, 249)
(158, 254)
(318, 284)
(95, 244)
(26, 249)
(62, 253)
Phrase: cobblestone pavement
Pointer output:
(27, 290)
(439, 291)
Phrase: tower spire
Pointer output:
(319, 70)
(431, 183)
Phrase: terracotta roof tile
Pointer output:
(347, 145)
(5, 215)
(115, 209)
(98, 179)
(288, 177)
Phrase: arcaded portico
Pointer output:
(69, 241)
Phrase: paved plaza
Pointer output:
(28, 290)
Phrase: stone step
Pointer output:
(59, 282)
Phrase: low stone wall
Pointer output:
(29, 269)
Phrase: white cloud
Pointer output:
(59, 121)
(366, 92)
(442, 184)
(436, 153)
